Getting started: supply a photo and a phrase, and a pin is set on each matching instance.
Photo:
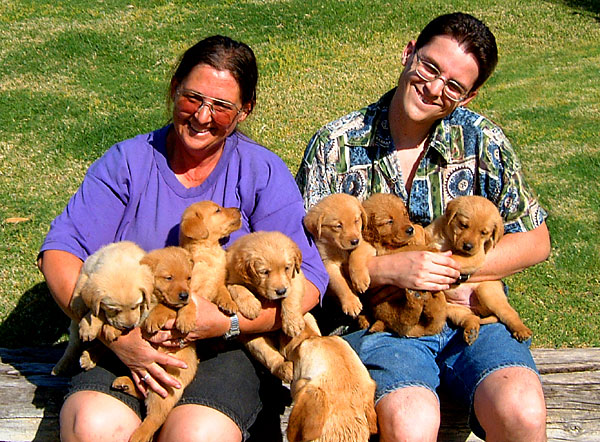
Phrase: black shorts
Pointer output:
(228, 380)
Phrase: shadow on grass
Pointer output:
(36, 320)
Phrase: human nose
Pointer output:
(204, 112)
(436, 86)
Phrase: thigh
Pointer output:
(395, 362)
(228, 381)
(197, 422)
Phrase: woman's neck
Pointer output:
(192, 167)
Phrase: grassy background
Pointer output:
(77, 76)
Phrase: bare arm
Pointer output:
(60, 269)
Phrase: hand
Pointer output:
(210, 323)
(142, 359)
(463, 295)
(418, 270)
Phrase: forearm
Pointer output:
(270, 316)
(61, 270)
(514, 253)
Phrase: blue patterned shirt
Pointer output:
(467, 154)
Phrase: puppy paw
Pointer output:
(285, 371)
(470, 335)
(378, 326)
(352, 306)
(361, 280)
(186, 319)
(111, 333)
(248, 304)
(86, 361)
(293, 325)
(522, 333)
(363, 322)
(225, 302)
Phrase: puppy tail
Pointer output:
(308, 415)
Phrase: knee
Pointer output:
(93, 416)
(196, 422)
(409, 414)
(511, 406)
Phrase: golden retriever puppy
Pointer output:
(332, 392)
(111, 295)
(266, 266)
(203, 225)
(471, 226)
(172, 269)
(336, 223)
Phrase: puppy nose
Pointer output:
(183, 296)
(281, 292)
(467, 246)
(410, 230)
(354, 242)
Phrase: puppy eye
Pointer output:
(484, 233)
(390, 221)
(168, 278)
(265, 272)
(463, 225)
(218, 210)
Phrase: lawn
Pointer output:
(78, 76)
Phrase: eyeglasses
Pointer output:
(223, 112)
(429, 72)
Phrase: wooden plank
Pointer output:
(570, 378)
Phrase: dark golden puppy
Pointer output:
(172, 268)
(333, 394)
(389, 226)
(203, 225)
(112, 295)
(266, 265)
(471, 226)
(336, 223)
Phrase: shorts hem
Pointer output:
(384, 392)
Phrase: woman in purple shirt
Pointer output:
(137, 191)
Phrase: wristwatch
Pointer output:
(234, 328)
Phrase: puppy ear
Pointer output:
(371, 416)
(312, 222)
(150, 260)
(193, 228)
(370, 233)
(308, 415)
(363, 216)
(497, 234)
(297, 259)
(147, 285)
(450, 212)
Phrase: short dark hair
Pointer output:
(471, 34)
(224, 54)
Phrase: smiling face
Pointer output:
(423, 103)
(198, 134)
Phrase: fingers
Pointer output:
(167, 359)
(156, 378)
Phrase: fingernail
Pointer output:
(178, 386)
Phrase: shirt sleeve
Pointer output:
(314, 179)
(94, 212)
(516, 200)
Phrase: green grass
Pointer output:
(78, 76)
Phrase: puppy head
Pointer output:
(472, 224)
(207, 221)
(389, 223)
(172, 271)
(267, 262)
(338, 220)
(122, 298)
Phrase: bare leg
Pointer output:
(510, 405)
(408, 414)
(95, 416)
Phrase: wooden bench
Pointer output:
(31, 397)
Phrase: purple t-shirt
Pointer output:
(131, 193)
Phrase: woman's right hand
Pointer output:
(142, 359)
(418, 270)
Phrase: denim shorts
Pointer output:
(228, 380)
(440, 362)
